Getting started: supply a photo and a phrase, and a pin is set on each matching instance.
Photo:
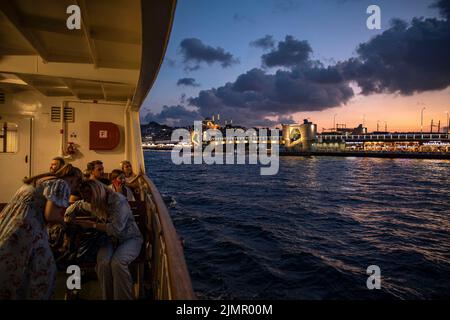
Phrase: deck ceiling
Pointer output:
(99, 62)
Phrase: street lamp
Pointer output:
(421, 120)
(334, 122)
(448, 122)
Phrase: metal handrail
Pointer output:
(179, 281)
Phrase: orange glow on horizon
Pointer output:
(402, 113)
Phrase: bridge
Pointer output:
(385, 137)
(324, 138)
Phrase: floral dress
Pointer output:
(27, 266)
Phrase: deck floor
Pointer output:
(90, 289)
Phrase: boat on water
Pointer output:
(76, 93)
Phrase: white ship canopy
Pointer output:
(115, 56)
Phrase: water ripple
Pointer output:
(311, 231)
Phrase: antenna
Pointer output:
(438, 126)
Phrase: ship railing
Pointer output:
(169, 276)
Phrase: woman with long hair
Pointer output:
(114, 217)
(118, 184)
(27, 266)
(131, 179)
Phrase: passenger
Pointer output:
(75, 195)
(118, 184)
(96, 171)
(81, 245)
(27, 265)
(56, 164)
(130, 176)
(116, 219)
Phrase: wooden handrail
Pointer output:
(180, 281)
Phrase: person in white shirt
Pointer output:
(116, 219)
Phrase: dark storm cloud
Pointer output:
(177, 116)
(266, 42)
(443, 6)
(187, 82)
(286, 120)
(195, 51)
(290, 52)
(183, 98)
(258, 98)
(405, 59)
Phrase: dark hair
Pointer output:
(60, 159)
(115, 173)
(91, 165)
(66, 171)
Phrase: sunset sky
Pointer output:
(265, 62)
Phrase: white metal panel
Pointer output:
(15, 166)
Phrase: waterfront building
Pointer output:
(385, 142)
(299, 137)
(304, 138)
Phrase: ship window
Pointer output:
(9, 137)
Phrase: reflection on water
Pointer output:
(311, 231)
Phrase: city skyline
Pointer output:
(220, 54)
